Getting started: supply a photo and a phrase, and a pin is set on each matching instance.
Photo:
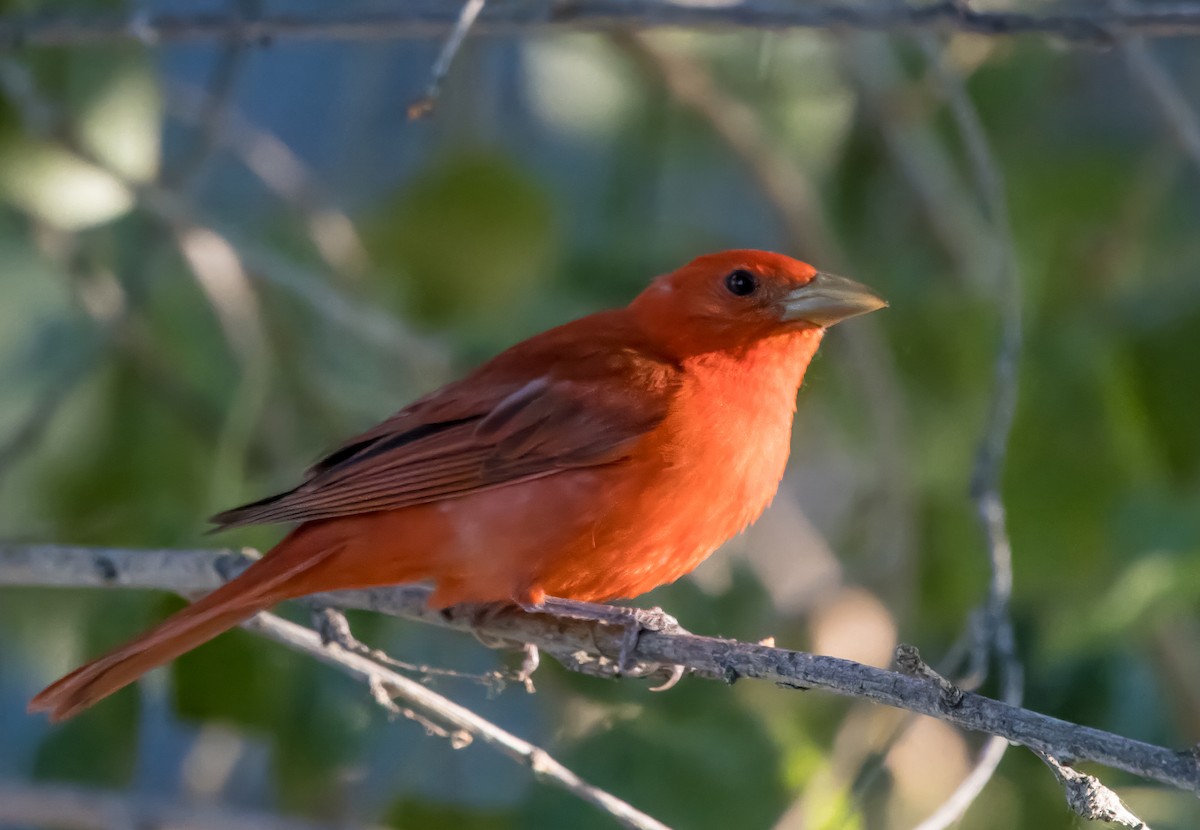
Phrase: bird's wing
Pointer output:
(502, 425)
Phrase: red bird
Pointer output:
(594, 461)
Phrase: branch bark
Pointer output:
(25, 804)
(1082, 23)
(1091, 800)
(579, 642)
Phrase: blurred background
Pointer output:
(221, 258)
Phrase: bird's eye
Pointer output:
(741, 282)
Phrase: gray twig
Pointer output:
(1090, 799)
(212, 121)
(43, 120)
(1088, 24)
(333, 627)
(102, 300)
(283, 172)
(1176, 110)
(203, 570)
(445, 718)
(466, 18)
(74, 807)
(902, 112)
(27, 434)
(909, 661)
(998, 638)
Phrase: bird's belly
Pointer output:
(657, 527)
(591, 534)
(495, 545)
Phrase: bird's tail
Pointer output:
(277, 576)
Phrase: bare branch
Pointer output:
(908, 660)
(1090, 799)
(26, 804)
(964, 795)
(466, 19)
(188, 571)
(789, 193)
(998, 637)
(446, 718)
(333, 627)
(100, 296)
(899, 107)
(283, 172)
(41, 119)
(1176, 110)
(1076, 23)
(28, 432)
(211, 122)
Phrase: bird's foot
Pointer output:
(484, 614)
(333, 627)
(530, 660)
(632, 621)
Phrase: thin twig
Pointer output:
(424, 105)
(103, 301)
(900, 110)
(958, 225)
(74, 807)
(333, 627)
(212, 121)
(1176, 110)
(787, 190)
(374, 325)
(993, 445)
(998, 636)
(1087, 24)
(908, 660)
(186, 571)
(222, 277)
(1090, 799)
(964, 795)
(282, 171)
(446, 718)
(27, 434)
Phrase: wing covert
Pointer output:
(483, 432)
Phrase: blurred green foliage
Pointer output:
(556, 177)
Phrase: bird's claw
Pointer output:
(334, 629)
(637, 621)
(633, 622)
(483, 614)
(530, 660)
(676, 674)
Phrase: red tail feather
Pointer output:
(262, 585)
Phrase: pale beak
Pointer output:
(827, 299)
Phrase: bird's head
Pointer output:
(732, 299)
